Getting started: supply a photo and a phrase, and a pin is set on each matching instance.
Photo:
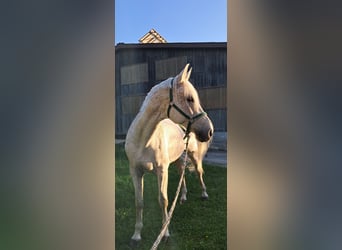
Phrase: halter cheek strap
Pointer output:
(191, 119)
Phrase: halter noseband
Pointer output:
(191, 119)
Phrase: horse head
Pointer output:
(185, 107)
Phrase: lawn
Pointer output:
(196, 224)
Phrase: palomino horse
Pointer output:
(150, 145)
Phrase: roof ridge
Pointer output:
(152, 36)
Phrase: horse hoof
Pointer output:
(205, 198)
(134, 243)
(166, 238)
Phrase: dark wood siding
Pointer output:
(138, 67)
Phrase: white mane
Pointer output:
(155, 89)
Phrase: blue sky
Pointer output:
(176, 20)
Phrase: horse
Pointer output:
(151, 146)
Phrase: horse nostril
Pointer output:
(210, 133)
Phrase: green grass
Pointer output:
(196, 224)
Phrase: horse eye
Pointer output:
(190, 99)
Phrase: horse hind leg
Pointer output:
(138, 183)
(180, 164)
(205, 195)
(199, 171)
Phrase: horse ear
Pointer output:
(183, 76)
(189, 74)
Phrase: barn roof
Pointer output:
(120, 46)
(152, 37)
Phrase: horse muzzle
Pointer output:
(203, 129)
(204, 135)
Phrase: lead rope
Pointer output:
(167, 222)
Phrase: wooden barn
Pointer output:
(138, 67)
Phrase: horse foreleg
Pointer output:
(180, 164)
(139, 203)
(163, 198)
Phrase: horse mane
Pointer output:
(152, 95)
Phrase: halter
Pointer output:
(191, 119)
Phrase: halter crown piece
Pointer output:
(191, 119)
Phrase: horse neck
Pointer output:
(154, 110)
